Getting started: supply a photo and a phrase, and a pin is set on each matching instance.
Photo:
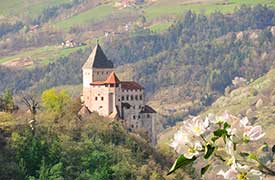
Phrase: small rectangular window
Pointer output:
(140, 97)
(96, 98)
(102, 98)
(127, 97)
(122, 98)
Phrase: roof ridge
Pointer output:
(112, 79)
(98, 59)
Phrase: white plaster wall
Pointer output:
(87, 77)
(99, 105)
(102, 106)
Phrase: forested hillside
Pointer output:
(185, 54)
(197, 57)
(48, 139)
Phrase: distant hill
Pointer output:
(184, 68)
(86, 21)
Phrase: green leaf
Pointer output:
(253, 156)
(181, 162)
(215, 138)
(220, 132)
(204, 169)
(209, 150)
(244, 154)
(226, 125)
(273, 149)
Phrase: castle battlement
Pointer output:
(105, 94)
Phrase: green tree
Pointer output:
(55, 101)
(49, 173)
(7, 103)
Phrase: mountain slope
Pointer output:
(256, 101)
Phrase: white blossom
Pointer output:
(254, 133)
(227, 133)
(218, 119)
(230, 174)
(240, 172)
(185, 144)
(196, 126)
(246, 173)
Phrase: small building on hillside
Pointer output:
(105, 93)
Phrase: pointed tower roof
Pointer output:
(112, 79)
(98, 59)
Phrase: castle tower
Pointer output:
(105, 97)
(96, 68)
(105, 94)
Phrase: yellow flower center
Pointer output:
(197, 129)
(242, 176)
(191, 150)
(229, 161)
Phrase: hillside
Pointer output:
(63, 145)
(256, 101)
(183, 69)
(33, 26)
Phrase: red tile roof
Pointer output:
(130, 85)
(112, 79)
(98, 83)
(125, 85)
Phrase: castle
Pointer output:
(105, 94)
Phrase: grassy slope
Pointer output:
(163, 7)
(155, 10)
(160, 27)
(42, 55)
(90, 16)
(239, 101)
(30, 8)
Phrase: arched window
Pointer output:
(127, 97)
(102, 98)
(122, 98)
(140, 97)
(134, 117)
(96, 98)
(136, 97)
(132, 97)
